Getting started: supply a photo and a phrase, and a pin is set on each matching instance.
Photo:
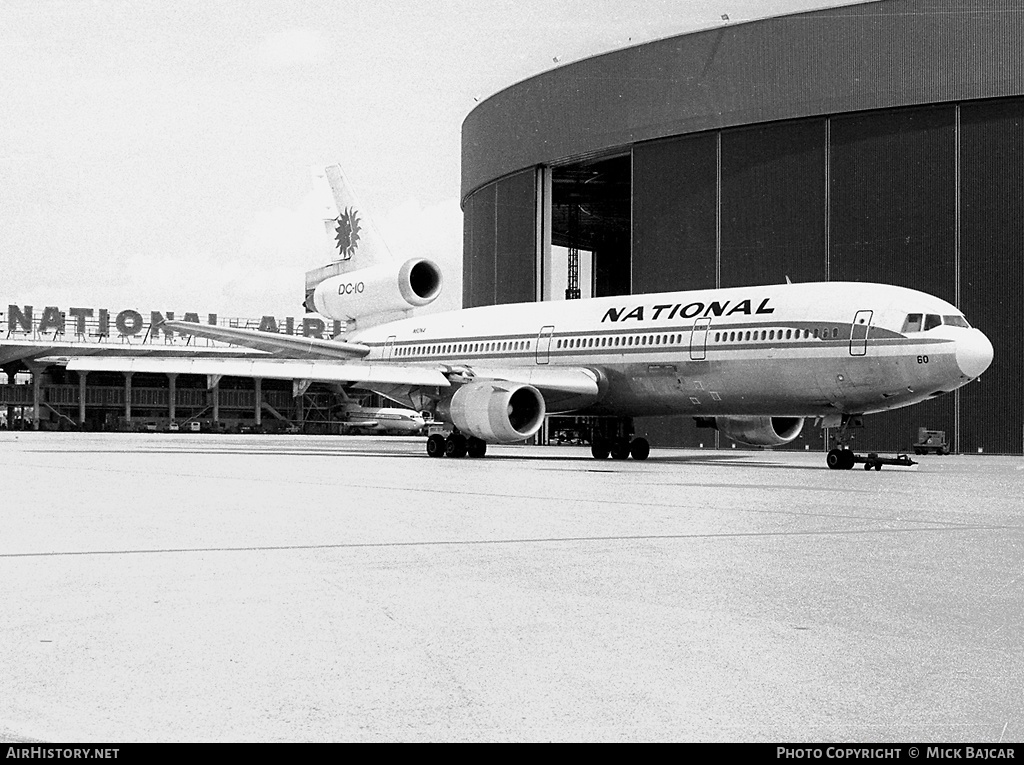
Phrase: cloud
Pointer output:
(293, 47)
(431, 231)
(286, 235)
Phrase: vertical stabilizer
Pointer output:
(352, 242)
(352, 238)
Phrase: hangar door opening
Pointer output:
(590, 217)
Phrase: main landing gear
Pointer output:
(455, 445)
(620, 448)
(613, 437)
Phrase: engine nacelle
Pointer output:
(379, 289)
(760, 431)
(497, 412)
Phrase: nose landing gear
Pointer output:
(842, 457)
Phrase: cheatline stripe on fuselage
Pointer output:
(597, 355)
(561, 334)
(820, 347)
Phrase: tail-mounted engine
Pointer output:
(760, 431)
(382, 289)
(497, 412)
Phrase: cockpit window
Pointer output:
(916, 322)
(913, 322)
(956, 321)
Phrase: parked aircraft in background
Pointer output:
(356, 419)
(753, 362)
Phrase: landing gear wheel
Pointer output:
(435, 445)
(620, 449)
(455, 446)
(600, 448)
(476, 447)
(639, 449)
(839, 459)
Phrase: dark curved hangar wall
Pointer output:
(875, 142)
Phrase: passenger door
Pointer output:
(859, 333)
(544, 344)
(699, 339)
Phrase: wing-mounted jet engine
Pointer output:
(492, 411)
(498, 412)
(758, 431)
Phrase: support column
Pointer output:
(128, 398)
(37, 398)
(172, 395)
(213, 383)
(81, 399)
(299, 388)
(11, 372)
(258, 413)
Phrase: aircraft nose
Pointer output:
(973, 353)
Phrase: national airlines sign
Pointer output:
(101, 322)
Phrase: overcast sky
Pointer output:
(156, 155)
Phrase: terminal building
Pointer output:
(38, 393)
(877, 142)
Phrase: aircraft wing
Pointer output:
(579, 381)
(563, 388)
(273, 342)
(362, 373)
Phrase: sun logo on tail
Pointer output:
(347, 232)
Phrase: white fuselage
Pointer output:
(372, 419)
(787, 350)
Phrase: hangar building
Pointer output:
(879, 142)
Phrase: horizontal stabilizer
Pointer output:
(292, 346)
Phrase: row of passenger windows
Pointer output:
(450, 348)
(824, 333)
(719, 337)
(917, 322)
(616, 341)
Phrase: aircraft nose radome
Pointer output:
(973, 354)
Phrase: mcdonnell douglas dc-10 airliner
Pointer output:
(753, 362)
